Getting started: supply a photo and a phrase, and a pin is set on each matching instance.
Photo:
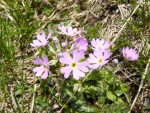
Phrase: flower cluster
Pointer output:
(130, 54)
(41, 40)
(73, 53)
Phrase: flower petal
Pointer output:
(38, 61)
(77, 55)
(92, 58)
(66, 59)
(49, 35)
(70, 31)
(45, 58)
(93, 42)
(62, 29)
(106, 54)
(100, 43)
(77, 74)
(45, 74)
(36, 43)
(83, 66)
(77, 32)
(130, 54)
(39, 70)
(94, 66)
(66, 70)
(41, 36)
(98, 53)
(103, 63)
(107, 44)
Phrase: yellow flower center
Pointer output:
(99, 47)
(126, 59)
(44, 65)
(73, 64)
(100, 60)
(78, 47)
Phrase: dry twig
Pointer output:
(118, 34)
(141, 85)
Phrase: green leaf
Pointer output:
(52, 49)
(146, 107)
(107, 75)
(69, 92)
(101, 99)
(77, 86)
(53, 62)
(118, 92)
(124, 88)
(18, 92)
(111, 96)
(95, 75)
(119, 101)
(89, 109)
(47, 11)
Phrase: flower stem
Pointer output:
(74, 92)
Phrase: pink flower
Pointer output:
(130, 54)
(73, 65)
(41, 40)
(64, 44)
(100, 44)
(60, 54)
(115, 61)
(99, 58)
(68, 31)
(43, 70)
(81, 44)
(55, 39)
